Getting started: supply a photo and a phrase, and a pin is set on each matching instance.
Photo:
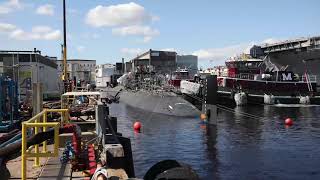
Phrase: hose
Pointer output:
(14, 148)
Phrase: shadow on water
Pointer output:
(212, 151)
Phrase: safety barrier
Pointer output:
(36, 123)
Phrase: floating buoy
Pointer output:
(137, 126)
(203, 116)
(288, 121)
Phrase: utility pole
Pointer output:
(65, 74)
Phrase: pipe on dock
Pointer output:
(8, 136)
(14, 148)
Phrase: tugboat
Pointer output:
(178, 76)
(247, 80)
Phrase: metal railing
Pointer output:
(245, 76)
(34, 125)
(311, 78)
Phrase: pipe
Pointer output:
(8, 136)
(12, 140)
(7, 152)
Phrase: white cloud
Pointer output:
(126, 20)
(145, 31)
(14, 4)
(118, 15)
(53, 35)
(218, 56)
(9, 6)
(37, 33)
(168, 49)
(4, 27)
(213, 54)
(129, 52)
(4, 10)
(41, 29)
(81, 49)
(271, 41)
(72, 11)
(46, 9)
(95, 36)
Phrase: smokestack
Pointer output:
(122, 65)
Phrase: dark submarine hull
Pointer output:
(165, 103)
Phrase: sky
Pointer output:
(108, 30)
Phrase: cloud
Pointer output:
(4, 27)
(129, 52)
(81, 49)
(90, 35)
(144, 31)
(169, 49)
(9, 6)
(271, 41)
(218, 56)
(126, 20)
(119, 15)
(41, 29)
(46, 9)
(223, 53)
(14, 4)
(95, 36)
(72, 11)
(37, 33)
(4, 10)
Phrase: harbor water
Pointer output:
(237, 148)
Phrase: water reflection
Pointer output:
(237, 148)
(212, 151)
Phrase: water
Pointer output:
(237, 148)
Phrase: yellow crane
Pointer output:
(65, 75)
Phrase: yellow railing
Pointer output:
(39, 122)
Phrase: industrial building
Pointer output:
(162, 62)
(79, 69)
(104, 73)
(28, 67)
(189, 62)
(107, 74)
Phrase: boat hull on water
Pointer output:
(166, 103)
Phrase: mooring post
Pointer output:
(209, 106)
(102, 111)
(37, 98)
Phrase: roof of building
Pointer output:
(150, 51)
(81, 94)
(28, 56)
(78, 60)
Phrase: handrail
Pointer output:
(38, 122)
(246, 76)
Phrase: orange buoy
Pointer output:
(203, 116)
(137, 126)
(288, 121)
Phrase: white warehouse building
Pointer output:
(79, 69)
(104, 73)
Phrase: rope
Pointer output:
(252, 116)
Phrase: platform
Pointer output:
(54, 169)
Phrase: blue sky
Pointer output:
(109, 30)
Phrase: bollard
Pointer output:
(209, 106)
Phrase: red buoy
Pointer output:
(288, 121)
(137, 126)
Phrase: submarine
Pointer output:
(153, 97)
